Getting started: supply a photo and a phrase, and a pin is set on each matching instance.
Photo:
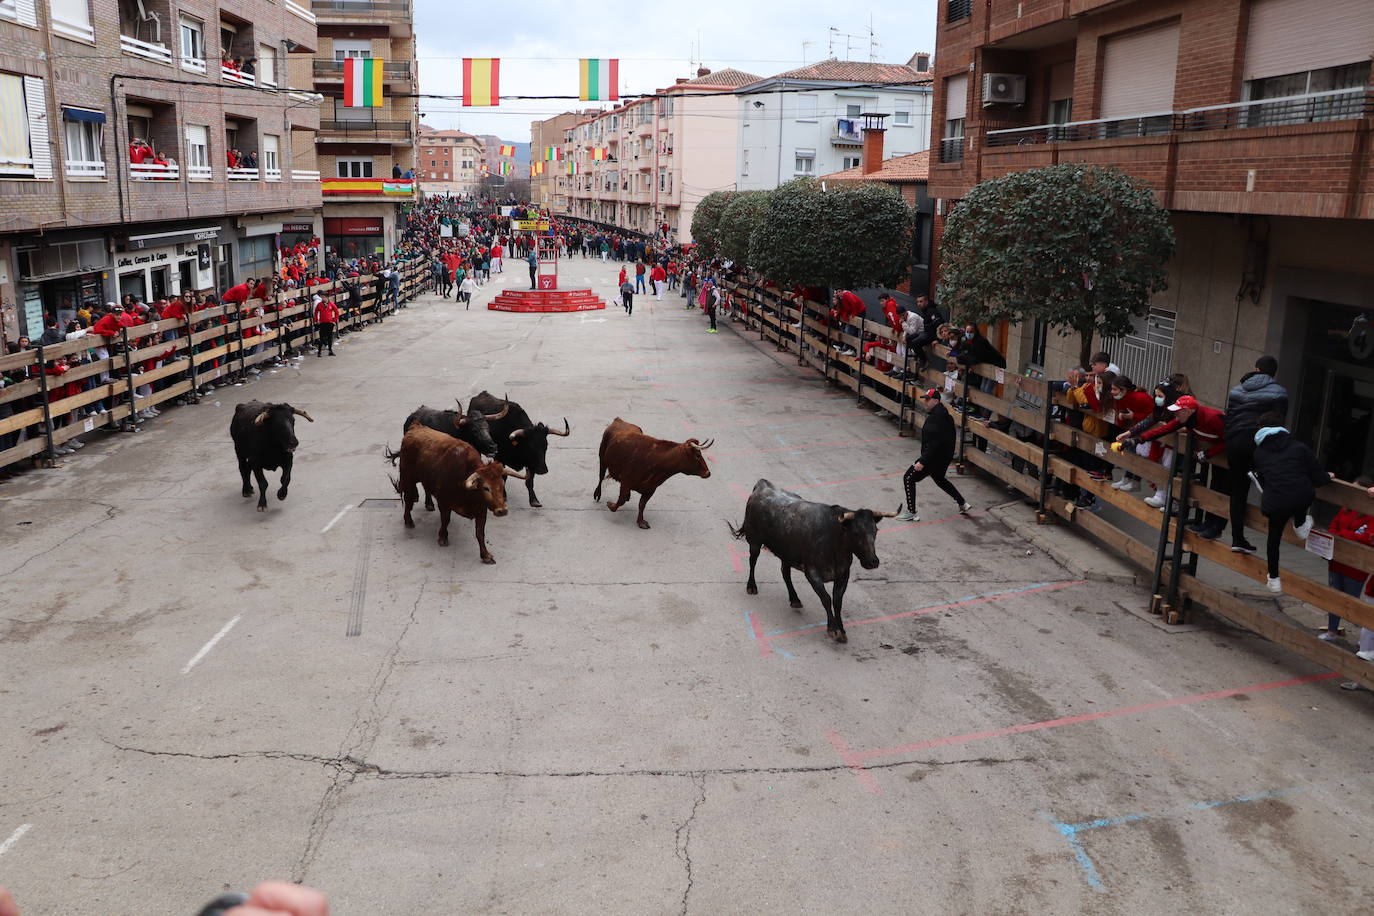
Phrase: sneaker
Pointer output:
(61, 450)
(1274, 584)
(1303, 530)
(966, 508)
(1120, 483)
(710, 330)
(75, 444)
(1351, 685)
(1240, 545)
(1367, 655)
(1156, 501)
(1327, 636)
(1129, 485)
(908, 515)
(1209, 533)
(1100, 475)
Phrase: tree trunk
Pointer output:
(1085, 347)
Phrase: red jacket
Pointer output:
(658, 275)
(238, 294)
(850, 306)
(174, 309)
(327, 312)
(890, 312)
(1134, 407)
(260, 291)
(1353, 526)
(108, 326)
(1207, 423)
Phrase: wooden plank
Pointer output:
(21, 419)
(26, 449)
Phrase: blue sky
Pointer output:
(539, 43)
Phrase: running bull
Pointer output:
(520, 443)
(643, 463)
(264, 439)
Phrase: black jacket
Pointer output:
(932, 318)
(1256, 395)
(977, 349)
(937, 439)
(1289, 472)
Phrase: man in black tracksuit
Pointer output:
(1290, 474)
(1256, 395)
(937, 451)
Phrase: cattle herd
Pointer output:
(462, 458)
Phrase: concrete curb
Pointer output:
(1067, 548)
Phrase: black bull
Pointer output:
(264, 439)
(520, 443)
(471, 426)
(819, 539)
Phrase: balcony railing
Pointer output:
(236, 76)
(305, 175)
(333, 69)
(199, 173)
(298, 10)
(360, 9)
(238, 174)
(375, 129)
(271, 174)
(193, 64)
(130, 45)
(151, 171)
(367, 187)
(83, 169)
(952, 149)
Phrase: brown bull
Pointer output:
(643, 463)
(454, 475)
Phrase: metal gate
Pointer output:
(1146, 354)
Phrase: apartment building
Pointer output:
(449, 162)
(366, 156)
(1250, 119)
(808, 121)
(545, 189)
(88, 214)
(662, 155)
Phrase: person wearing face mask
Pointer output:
(1208, 425)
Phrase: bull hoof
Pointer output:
(596, 495)
(612, 506)
(643, 524)
(536, 504)
(281, 494)
(262, 508)
(490, 561)
(831, 634)
(409, 523)
(797, 605)
(751, 589)
(842, 637)
(429, 508)
(443, 542)
(248, 493)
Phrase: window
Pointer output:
(72, 19)
(267, 65)
(81, 129)
(1061, 111)
(851, 162)
(805, 162)
(354, 168)
(853, 111)
(806, 106)
(192, 44)
(956, 104)
(16, 156)
(227, 34)
(958, 9)
(270, 161)
(197, 153)
(256, 256)
(744, 165)
(1138, 73)
(1324, 83)
(901, 114)
(446, 176)
(345, 48)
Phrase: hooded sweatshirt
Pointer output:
(1256, 395)
(1288, 471)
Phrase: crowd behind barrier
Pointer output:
(1044, 440)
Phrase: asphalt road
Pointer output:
(195, 696)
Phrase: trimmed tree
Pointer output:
(705, 219)
(1080, 247)
(744, 212)
(850, 237)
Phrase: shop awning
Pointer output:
(83, 114)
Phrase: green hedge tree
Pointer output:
(705, 220)
(744, 212)
(1080, 247)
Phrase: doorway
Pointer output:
(1335, 407)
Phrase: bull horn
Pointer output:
(515, 436)
(473, 482)
(261, 418)
(701, 446)
(301, 413)
(509, 473)
(847, 516)
(877, 514)
(459, 402)
(567, 430)
(505, 409)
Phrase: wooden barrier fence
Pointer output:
(210, 344)
(1169, 555)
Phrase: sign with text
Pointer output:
(530, 225)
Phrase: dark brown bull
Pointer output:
(643, 463)
(454, 475)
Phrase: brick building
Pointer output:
(1251, 120)
(448, 162)
(80, 221)
(547, 188)
(365, 154)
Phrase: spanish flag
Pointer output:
(481, 81)
(507, 150)
(598, 153)
(537, 168)
(363, 82)
(600, 79)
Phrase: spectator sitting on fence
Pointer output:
(932, 319)
(1356, 526)
(1102, 362)
(1133, 406)
(1289, 475)
(848, 309)
(974, 349)
(1206, 423)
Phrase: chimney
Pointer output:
(873, 142)
(703, 71)
(680, 80)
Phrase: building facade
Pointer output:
(116, 126)
(449, 162)
(365, 154)
(545, 188)
(1250, 120)
(806, 122)
(661, 155)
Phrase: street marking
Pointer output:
(14, 838)
(205, 649)
(856, 760)
(335, 520)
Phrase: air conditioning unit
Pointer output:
(1004, 89)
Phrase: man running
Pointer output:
(937, 451)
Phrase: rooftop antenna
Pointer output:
(873, 43)
(805, 45)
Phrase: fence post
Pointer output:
(131, 422)
(238, 310)
(801, 326)
(1043, 514)
(961, 468)
(47, 407)
(902, 384)
(1172, 612)
(859, 369)
(193, 395)
(1157, 601)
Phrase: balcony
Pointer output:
(238, 174)
(952, 149)
(365, 130)
(847, 132)
(235, 75)
(305, 175)
(194, 65)
(145, 49)
(85, 170)
(363, 188)
(330, 71)
(368, 12)
(296, 9)
(271, 174)
(149, 171)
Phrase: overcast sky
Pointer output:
(539, 43)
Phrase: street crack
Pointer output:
(682, 840)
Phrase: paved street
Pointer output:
(196, 696)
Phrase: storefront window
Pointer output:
(256, 257)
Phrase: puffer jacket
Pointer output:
(1256, 395)
(1289, 472)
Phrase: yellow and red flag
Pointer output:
(363, 82)
(507, 149)
(481, 81)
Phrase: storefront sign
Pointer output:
(530, 225)
(352, 225)
(297, 227)
(142, 260)
(203, 257)
(140, 242)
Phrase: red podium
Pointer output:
(546, 297)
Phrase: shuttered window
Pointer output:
(72, 19)
(956, 97)
(1138, 73)
(15, 154)
(1061, 81)
(1295, 36)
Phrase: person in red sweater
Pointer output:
(326, 317)
(848, 307)
(496, 257)
(1356, 526)
(657, 277)
(238, 295)
(260, 290)
(108, 325)
(1207, 425)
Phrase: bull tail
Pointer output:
(736, 533)
(395, 483)
(392, 457)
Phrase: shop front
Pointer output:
(355, 236)
(161, 265)
(58, 279)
